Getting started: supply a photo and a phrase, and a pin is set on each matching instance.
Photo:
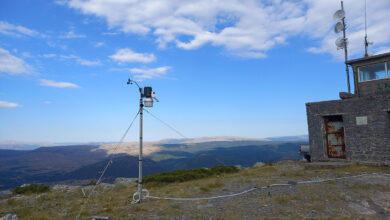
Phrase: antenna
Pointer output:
(338, 27)
(339, 14)
(365, 29)
(366, 43)
(342, 42)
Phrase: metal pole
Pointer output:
(140, 148)
(345, 51)
(365, 30)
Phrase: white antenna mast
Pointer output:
(342, 42)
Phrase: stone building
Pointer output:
(355, 128)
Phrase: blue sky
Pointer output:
(234, 68)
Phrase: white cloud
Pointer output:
(71, 34)
(27, 55)
(99, 44)
(50, 55)
(383, 50)
(110, 33)
(127, 55)
(47, 102)
(52, 44)
(81, 61)
(11, 64)
(149, 73)
(68, 56)
(251, 54)
(52, 83)
(244, 27)
(88, 62)
(61, 2)
(16, 30)
(5, 104)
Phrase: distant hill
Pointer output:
(209, 139)
(18, 145)
(290, 138)
(44, 163)
(124, 166)
(80, 162)
(50, 158)
(246, 155)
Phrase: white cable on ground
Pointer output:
(265, 187)
(106, 167)
(206, 198)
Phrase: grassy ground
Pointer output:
(330, 200)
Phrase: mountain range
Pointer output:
(76, 163)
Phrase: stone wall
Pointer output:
(375, 87)
(368, 143)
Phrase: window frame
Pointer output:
(386, 72)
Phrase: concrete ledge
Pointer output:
(341, 164)
(328, 165)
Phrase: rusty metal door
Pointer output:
(335, 136)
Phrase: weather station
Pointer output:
(146, 100)
(147, 96)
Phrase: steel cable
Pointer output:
(166, 124)
(176, 131)
(106, 167)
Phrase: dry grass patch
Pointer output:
(281, 200)
(211, 185)
(294, 202)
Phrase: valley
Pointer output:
(82, 163)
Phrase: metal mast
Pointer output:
(146, 100)
(345, 50)
(141, 106)
(366, 43)
(365, 29)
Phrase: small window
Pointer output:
(372, 72)
(387, 69)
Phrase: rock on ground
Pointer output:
(382, 199)
(9, 217)
(5, 194)
(125, 181)
(361, 209)
(63, 188)
(259, 164)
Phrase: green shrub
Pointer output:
(32, 188)
(187, 175)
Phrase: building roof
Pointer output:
(364, 59)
